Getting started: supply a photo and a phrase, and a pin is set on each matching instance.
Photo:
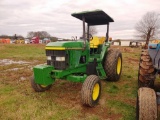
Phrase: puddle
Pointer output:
(14, 69)
(27, 65)
(9, 62)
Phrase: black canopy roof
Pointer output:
(97, 17)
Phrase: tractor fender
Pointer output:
(154, 52)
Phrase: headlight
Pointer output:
(48, 57)
(60, 58)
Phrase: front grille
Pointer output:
(59, 65)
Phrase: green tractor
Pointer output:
(81, 61)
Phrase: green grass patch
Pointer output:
(113, 89)
(22, 52)
(127, 110)
(6, 89)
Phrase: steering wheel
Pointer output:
(90, 36)
(73, 38)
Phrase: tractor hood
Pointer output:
(62, 45)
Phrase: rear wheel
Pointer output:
(113, 65)
(146, 74)
(38, 87)
(91, 90)
(146, 104)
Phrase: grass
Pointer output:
(119, 107)
(28, 52)
(18, 101)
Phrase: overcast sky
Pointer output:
(54, 16)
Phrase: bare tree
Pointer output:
(92, 30)
(40, 34)
(30, 34)
(147, 28)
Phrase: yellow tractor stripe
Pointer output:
(55, 48)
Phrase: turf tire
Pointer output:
(146, 104)
(111, 63)
(87, 91)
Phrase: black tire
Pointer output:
(38, 87)
(91, 91)
(146, 73)
(113, 65)
(146, 104)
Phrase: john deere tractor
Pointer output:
(149, 67)
(86, 60)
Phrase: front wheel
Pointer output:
(38, 87)
(91, 90)
(146, 104)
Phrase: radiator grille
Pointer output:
(59, 65)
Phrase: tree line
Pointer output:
(30, 35)
(11, 36)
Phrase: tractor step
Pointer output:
(76, 78)
(100, 71)
(158, 97)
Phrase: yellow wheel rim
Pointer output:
(43, 86)
(95, 93)
(119, 64)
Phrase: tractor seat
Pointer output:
(96, 41)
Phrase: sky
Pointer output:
(54, 16)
